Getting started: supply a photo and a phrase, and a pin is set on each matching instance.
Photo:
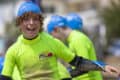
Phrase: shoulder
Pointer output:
(50, 39)
(83, 36)
(85, 39)
(46, 36)
(80, 37)
(13, 48)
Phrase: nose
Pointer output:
(31, 21)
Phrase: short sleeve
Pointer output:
(9, 62)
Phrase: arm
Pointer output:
(81, 63)
(84, 65)
(75, 72)
(8, 65)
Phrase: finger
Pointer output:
(114, 71)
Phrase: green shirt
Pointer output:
(36, 59)
(62, 70)
(80, 44)
(16, 74)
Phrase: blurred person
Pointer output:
(35, 52)
(83, 44)
(77, 42)
(99, 38)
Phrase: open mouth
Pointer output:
(30, 29)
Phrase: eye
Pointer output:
(36, 18)
(25, 18)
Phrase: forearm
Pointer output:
(84, 65)
(76, 72)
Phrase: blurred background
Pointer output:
(101, 20)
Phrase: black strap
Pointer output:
(76, 72)
(67, 79)
(76, 61)
(84, 65)
(2, 77)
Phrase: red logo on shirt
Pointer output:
(50, 54)
(43, 55)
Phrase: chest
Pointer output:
(39, 55)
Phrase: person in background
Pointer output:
(77, 42)
(83, 44)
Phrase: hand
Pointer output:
(112, 70)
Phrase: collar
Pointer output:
(26, 41)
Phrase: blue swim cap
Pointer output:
(56, 21)
(28, 6)
(74, 21)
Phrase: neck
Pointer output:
(30, 38)
(67, 33)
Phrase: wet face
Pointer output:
(30, 26)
